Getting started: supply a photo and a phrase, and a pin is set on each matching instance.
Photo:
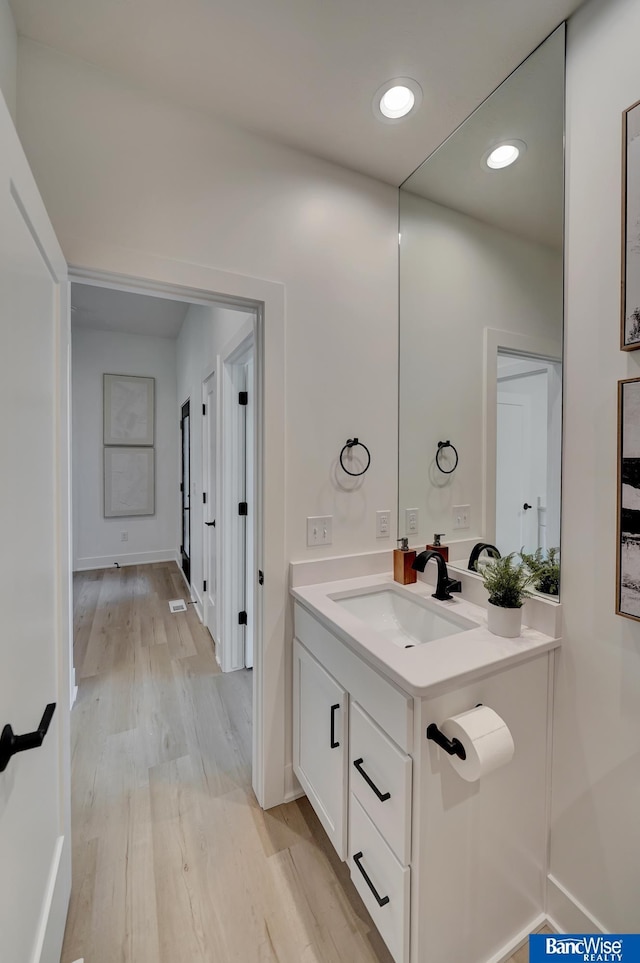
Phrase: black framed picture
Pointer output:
(628, 563)
(630, 307)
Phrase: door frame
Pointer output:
(185, 496)
(127, 270)
(213, 507)
(495, 339)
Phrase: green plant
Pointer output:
(545, 571)
(507, 582)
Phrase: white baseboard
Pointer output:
(566, 914)
(198, 604)
(130, 558)
(292, 788)
(50, 932)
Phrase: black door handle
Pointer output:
(10, 743)
(334, 743)
(211, 523)
(382, 796)
(526, 506)
(381, 900)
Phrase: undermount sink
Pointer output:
(404, 621)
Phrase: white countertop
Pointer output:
(422, 668)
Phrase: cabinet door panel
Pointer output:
(320, 743)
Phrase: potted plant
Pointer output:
(545, 571)
(507, 583)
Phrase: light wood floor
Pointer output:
(173, 860)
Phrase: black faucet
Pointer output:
(476, 551)
(445, 585)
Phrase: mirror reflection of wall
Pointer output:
(481, 313)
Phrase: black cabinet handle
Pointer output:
(334, 743)
(381, 900)
(10, 743)
(382, 796)
(526, 507)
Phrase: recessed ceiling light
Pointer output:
(504, 154)
(397, 98)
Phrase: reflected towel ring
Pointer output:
(351, 443)
(441, 446)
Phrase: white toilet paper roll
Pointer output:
(486, 738)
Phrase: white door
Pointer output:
(35, 869)
(209, 399)
(513, 520)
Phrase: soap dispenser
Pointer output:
(403, 559)
(439, 547)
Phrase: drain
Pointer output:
(177, 605)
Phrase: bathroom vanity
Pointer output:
(451, 871)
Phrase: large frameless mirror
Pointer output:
(481, 319)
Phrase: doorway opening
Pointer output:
(190, 449)
(528, 452)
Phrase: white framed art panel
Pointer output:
(129, 481)
(128, 409)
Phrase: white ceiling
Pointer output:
(105, 309)
(303, 72)
(526, 198)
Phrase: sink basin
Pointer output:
(404, 621)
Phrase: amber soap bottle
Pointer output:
(439, 547)
(403, 559)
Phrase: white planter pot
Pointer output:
(506, 623)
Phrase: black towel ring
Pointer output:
(441, 446)
(351, 443)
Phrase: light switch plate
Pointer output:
(319, 530)
(461, 516)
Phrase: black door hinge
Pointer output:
(242, 618)
(260, 577)
(181, 489)
(204, 498)
(204, 409)
(243, 398)
(243, 508)
(204, 586)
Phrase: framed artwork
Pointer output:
(128, 410)
(628, 563)
(129, 484)
(630, 311)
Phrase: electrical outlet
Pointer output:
(461, 516)
(383, 523)
(124, 536)
(319, 529)
(411, 521)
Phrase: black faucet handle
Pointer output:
(454, 585)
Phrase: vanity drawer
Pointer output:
(377, 767)
(379, 878)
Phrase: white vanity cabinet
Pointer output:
(450, 871)
(320, 709)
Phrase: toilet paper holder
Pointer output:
(452, 746)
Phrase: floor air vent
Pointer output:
(177, 605)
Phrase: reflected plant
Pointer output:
(544, 570)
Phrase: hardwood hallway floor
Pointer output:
(173, 860)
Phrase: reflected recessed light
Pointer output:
(397, 98)
(504, 154)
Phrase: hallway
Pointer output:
(173, 860)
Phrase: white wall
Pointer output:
(595, 838)
(8, 56)
(151, 537)
(204, 333)
(458, 276)
(119, 167)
